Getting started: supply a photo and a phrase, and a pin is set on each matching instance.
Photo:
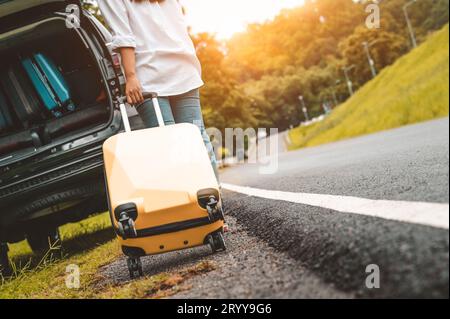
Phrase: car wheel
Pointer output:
(44, 240)
(79, 193)
(5, 266)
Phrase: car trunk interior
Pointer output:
(24, 128)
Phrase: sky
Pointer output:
(226, 17)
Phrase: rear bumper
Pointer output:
(72, 164)
(13, 197)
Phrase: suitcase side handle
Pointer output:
(157, 107)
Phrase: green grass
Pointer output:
(90, 245)
(414, 89)
(69, 232)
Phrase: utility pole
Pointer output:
(326, 107)
(408, 22)
(334, 97)
(369, 58)
(347, 78)
(333, 91)
(304, 108)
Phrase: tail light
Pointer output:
(116, 61)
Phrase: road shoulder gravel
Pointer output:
(248, 269)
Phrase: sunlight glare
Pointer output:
(226, 17)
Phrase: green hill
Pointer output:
(414, 89)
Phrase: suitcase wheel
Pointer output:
(70, 107)
(217, 242)
(135, 267)
(126, 227)
(57, 114)
(215, 211)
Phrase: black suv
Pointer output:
(51, 169)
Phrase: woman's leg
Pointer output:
(186, 108)
(147, 112)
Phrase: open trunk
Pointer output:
(26, 122)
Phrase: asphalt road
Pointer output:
(283, 249)
(407, 164)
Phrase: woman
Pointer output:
(158, 56)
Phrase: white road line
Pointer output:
(428, 214)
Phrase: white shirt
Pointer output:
(166, 61)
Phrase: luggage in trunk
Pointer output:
(6, 121)
(22, 96)
(47, 92)
(49, 83)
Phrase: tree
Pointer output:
(384, 47)
(92, 7)
(255, 78)
(223, 104)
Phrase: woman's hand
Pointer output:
(133, 90)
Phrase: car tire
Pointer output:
(85, 191)
(44, 239)
(5, 266)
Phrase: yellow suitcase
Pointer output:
(162, 191)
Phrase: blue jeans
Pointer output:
(184, 108)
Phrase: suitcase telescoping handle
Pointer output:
(123, 110)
